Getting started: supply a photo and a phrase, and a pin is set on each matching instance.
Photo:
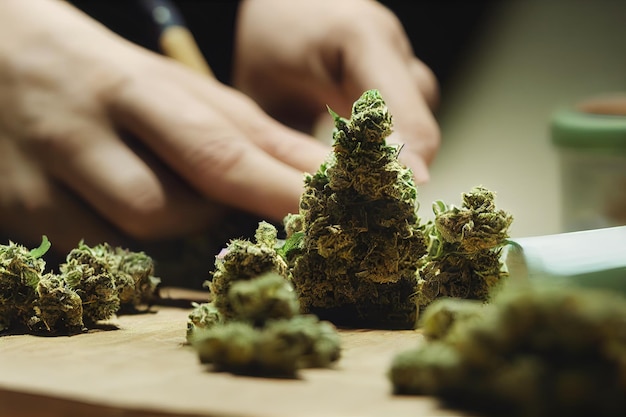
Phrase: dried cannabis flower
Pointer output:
(92, 284)
(265, 334)
(533, 352)
(20, 272)
(252, 325)
(243, 260)
(280, 347)
(203, 316)
(464, 251)
(355, 245)
(136, 271)
(269, 296)
(254, 301)
(57, 307)
(88, 274)
(443, 313)
(108, 278)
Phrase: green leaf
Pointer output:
(42, 249)
(439, 207)
(335, 116)
(295, 242)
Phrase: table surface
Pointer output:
(495, 133)
(139, 365)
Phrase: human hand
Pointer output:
(103, 140)
(296, 57)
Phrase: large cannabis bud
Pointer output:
(252, 324)
(531, 352)
(356, 242)
(92, 285)
(464, 251)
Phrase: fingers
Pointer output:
(293, 148)
(61, 217)
(395, 77)
(383, 59)
(221, 145)
(426, 82)
(134, 193)
(32, 205)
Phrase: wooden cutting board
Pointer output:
(139, 365)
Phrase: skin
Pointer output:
(103, 140)
(329, 52)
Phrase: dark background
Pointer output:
(441, 32)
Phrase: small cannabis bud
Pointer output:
(20, 272)
(269, 296)
(243, 260)
(88, 274)
(280, 347)
(254, 301)
(356, 242)
(134, 276)
(203, 316)
(108, 278)
(57, 307)
(264, 334)
(463, 260)
(531, 352)
(443, 313)
(252, 324)
(92, 285)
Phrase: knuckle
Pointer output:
(217, 157)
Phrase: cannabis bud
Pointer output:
(265, 333)
(464, 250)
(88, 274)
(356, 242)
(252, 324)
(531, 352)
(108, 278)
(92, 285)
(443, 313)
(243, 260)
(203, 316)
(57, 306)
(280, 347)
(21, 270)
(269, 296)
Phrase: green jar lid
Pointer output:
(575, 129)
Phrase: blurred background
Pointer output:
(526, 60)
(505, 67)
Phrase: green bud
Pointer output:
(361, 242)
(532, 351)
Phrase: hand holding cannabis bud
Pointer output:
(105, 141)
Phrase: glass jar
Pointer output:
(591, 141)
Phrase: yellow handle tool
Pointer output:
(175, 39)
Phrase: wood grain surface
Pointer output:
(139, 365)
